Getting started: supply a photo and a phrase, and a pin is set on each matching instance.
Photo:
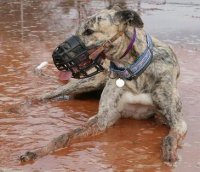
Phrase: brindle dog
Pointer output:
(154, 92)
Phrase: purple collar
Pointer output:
(134, 70)
(130, 46)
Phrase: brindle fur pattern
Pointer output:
(155, 90)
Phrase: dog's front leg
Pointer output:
(78, 86)
(63, 140)
(107, 115)
(74, 87)
(167, 100)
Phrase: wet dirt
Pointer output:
(30, 30)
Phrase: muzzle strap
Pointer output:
(105, 46)
(137, 68)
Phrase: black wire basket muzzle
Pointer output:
(73, 56)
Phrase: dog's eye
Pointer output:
(88, 32)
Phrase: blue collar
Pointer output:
(137, 68)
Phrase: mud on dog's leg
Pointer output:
(106, 117)
(167, 100)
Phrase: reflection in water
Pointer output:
(22, 18)
(30, 30)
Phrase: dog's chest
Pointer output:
(138, 111)
(137, 106)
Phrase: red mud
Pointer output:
(29, 31)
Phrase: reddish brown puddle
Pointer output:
(30, 30)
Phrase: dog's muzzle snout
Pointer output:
(73, 56)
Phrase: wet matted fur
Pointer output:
(155, 90)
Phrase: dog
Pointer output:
(151, 92)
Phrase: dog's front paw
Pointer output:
(170, 149)
(170, 156)
(28, 156)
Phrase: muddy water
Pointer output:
(29, 31)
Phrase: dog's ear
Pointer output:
(129, 17)
(117, 6)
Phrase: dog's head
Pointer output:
(94, 32)
(102, 26)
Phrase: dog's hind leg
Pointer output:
(167, 100)
(107, 115)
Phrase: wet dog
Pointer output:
(152, 92)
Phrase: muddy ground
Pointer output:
(30, 30)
